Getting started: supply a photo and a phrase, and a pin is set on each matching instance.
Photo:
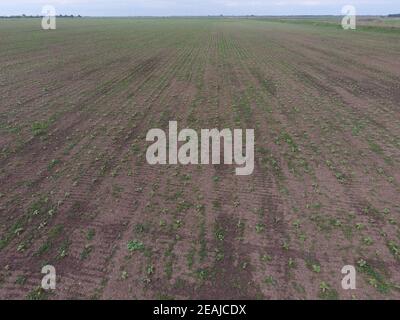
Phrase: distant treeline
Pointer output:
(40, 16)
(396, 15)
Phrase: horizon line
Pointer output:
(196, 16)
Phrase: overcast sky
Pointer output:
(197, 7)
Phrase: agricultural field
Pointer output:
(365, 23)
(76, 191)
